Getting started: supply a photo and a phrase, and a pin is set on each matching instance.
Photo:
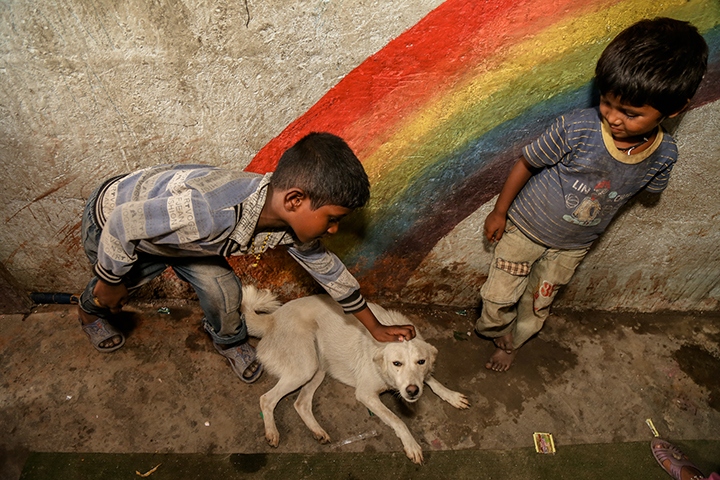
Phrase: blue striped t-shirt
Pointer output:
(584, 180)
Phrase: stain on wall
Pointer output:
(436, 99)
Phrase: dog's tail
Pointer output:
(257, 306)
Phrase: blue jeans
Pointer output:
(523, 281)
(218, 288)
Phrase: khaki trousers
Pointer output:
(522, 283)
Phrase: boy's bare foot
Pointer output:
(500, 360)
(87, 319)
(503, 356)
(504, 343)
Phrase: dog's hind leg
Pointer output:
(456, 399)
(372, 401)
(303, 406)
(269, 401)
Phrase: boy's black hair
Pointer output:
(658, 62)
(326, 169)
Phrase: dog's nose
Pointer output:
(412, 390)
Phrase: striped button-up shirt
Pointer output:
(196, 210)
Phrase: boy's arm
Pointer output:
(384, 333)
(495, 221)
(327, 269)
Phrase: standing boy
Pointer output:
(561, 195)
(190, 217)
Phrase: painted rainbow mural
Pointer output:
(439, 115)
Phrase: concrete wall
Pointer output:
(436, 99)
(94, 89)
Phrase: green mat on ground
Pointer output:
(572, 462)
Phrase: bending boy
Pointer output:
(190, 217)
(561, 195)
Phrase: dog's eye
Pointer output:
(421, 362)
(397, 364)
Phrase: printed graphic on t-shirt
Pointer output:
(586, 212)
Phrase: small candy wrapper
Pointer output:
(164, 310)
(544, 443)
(652, 427)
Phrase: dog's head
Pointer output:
(405, 366)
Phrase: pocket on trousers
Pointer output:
(518, 269)
(506, 282)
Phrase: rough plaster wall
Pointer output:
(93, 89)
(658, 255)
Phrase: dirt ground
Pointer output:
(588, 377)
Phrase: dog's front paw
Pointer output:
(414, 452)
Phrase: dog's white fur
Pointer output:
(308, 337)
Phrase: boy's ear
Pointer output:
(293, 198)
(680, 111)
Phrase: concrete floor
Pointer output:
(586, 378)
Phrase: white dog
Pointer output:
(308, 337)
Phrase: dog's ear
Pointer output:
(433, 353)
(379, 359)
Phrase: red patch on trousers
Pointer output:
(545, 289)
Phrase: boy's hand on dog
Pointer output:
(384, 333)
(393, 333)
(112, 297)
